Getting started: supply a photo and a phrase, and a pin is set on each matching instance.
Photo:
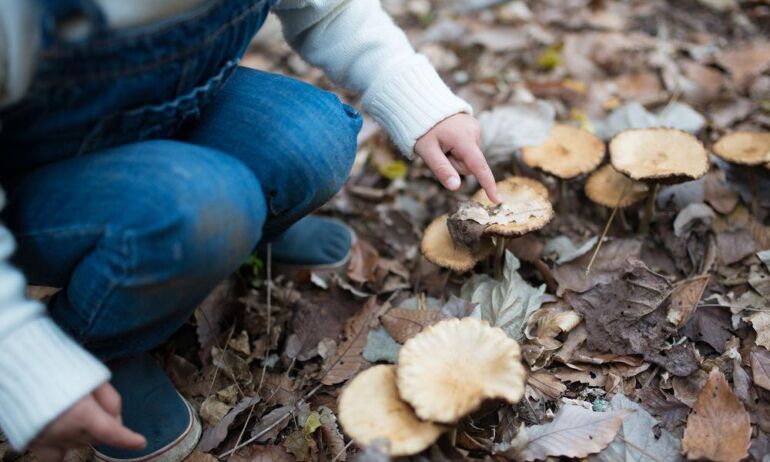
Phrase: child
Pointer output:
(142, 166)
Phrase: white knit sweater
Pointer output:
(42, 371)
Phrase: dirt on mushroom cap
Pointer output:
(658, 155)
(746, 148)
(370, 409)
(567, 153)
(532, 208)
(450, 368)
(610, 188)
(439, 248)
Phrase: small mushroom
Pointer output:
(567, 153)
(658, 156)
(610, 188)
(447, 370)
(748, 149)
(439, 248)
(370, 409)
(508, 186)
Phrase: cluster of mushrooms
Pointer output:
(640, 161)
(443, 373)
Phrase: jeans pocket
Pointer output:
(154, 121)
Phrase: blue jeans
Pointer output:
(155, 165)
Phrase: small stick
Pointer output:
(649, 210)
(606, 229)
(624, 221)
(601, 240)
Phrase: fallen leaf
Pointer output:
(348, 359)
(684, 298)
(507, 128)
(258, 453)
(718, 427)
(612, 258)
(214, 435)
(735, 245)
(761, 323)
(670, 410)
(380, 347)
(505, 303)
(213, 410)
(747, 61)
(363, 262)
(546, 384)
(404, 324)
(710, 324)
(574, 432)
(636, 440)
(760, 367)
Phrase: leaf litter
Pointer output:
(659, 353)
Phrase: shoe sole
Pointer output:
(336, 267)
(175, 451)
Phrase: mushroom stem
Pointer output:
(624, 221)
(562, 196)
(754, 194)
(649, 210)
(601, 239)
(515, 163)
(499, 255)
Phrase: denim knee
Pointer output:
(144, 280)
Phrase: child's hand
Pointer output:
(95, 419)
(452, 146)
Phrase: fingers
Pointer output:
(439, 164)
(109, 399)
(107, 429)
(48, 453)
(473, 158)
(459, 165)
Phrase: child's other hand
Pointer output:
(95, 419)
(452, 147)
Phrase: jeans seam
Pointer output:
(59, 231)
(99, 307)
(153, 64)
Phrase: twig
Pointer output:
(649, 210)
(342, 451)
(606, 230)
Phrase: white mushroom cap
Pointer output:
(567, 153)
(658, 155)
(447, 370)
(746, 148)
(370, 410)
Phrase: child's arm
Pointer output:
(359, 47)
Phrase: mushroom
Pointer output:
(447, 370)
(370, 409)
(439, 248)
(747, 149)
(658, 156)
(508, 186)
(523, 209)
(612, 189)
(568, 152)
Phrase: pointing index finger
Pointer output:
(472, 156)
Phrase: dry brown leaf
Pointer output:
(363, 262)
(761, 323)
(747, 61)
(403, 324)
(760, 367)
(257, 453)
(718, 427)
(684, 298)
(548, 385)
(348, 360)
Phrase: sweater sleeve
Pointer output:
(42, 371)
(360, 47)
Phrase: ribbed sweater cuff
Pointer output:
(42, 373)
(410, 100)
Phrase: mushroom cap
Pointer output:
(447, 370)
(746, 148)
(532, 210)
(438, 248)
(658, 155)
(567, 153)
(610, 188)
(370, 409)
(508, 185)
